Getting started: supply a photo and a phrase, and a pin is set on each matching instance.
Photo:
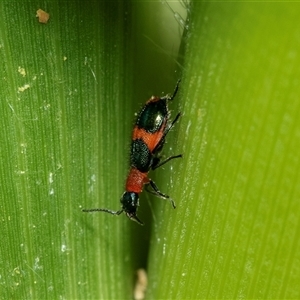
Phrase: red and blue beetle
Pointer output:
(148, 137)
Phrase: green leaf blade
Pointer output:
(233, 233)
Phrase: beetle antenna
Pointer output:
(104, 210)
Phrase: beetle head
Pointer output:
(130, 203)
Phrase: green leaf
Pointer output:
(65, 119)
(69, 90)
(235, 232)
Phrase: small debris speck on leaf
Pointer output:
(43, 16)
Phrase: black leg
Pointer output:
(158, 193)
(170, 98)
(172, 124)
(168, 128)
(159, 164)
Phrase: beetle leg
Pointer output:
(158, 193)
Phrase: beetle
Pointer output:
(149, 133)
